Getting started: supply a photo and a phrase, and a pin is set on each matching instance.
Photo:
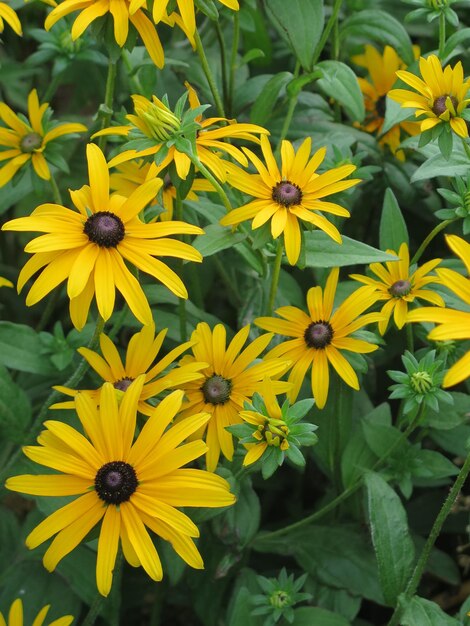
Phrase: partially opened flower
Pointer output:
(441, 96)
(23, 142)
(15, 616)
(8, 15)
(452, 323)
(291, 193)
(142, 351)
(88, 247)
(320, 337)
(231, 378)
(126, 485)
(399, 287)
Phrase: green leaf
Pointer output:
(340, 82)
(20, 349)
(263, 106)
(307, 616)
(393, 231)
(15, 408)
(460, 37)
(437, 165)
(216, 238)
(421, 612)
(251, 55)
(392, 542)
(322, 251)
(394, 114)
(300, 23)
(446, 143)
(381, 27)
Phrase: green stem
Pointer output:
(52, 87)
(449, 502)
(229, 283)
(326, 33)
(442, 34)
(466, 147)
(346, 494)
(435, 231)
(209, 76)
(48, 311)
(108, 101)
(217, 186)
(133, 78)
(223, 62)
(276, 271)
(233, 60)
(94, 611)
(290, 111)
(409, 338)
(55, 191)
(72, 381)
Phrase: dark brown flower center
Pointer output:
(287, 193)
(30, 142)
(381, 106)
(167, 182)
(216, 389)
(105, 229)
(115, 482)
(439, 106)
(400, 288)
(123, 384)
(318, 335)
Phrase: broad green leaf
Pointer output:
(15, 408)
(393, 231)
(437, 165)
(300, 23)
(340, 82)
(264, 104)
(322, 251)
(421, 612)
(392, 542)
(394, 114)
(455, 40)
(216, 238)
(455, 414)
(20, 349)
(381, 27)
(307, 616)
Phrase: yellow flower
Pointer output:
(126, 485)
(453, 323)
(8, 15)
(154, 121)
(88, 247)
(398, 287)
(230, 379)
(293, 193)
(123, 12)
(23, 142)
(141, 353)
(320, 336)
(441, 96)
(15, 616)
(131, 174)
(381, 69)
(4, 282)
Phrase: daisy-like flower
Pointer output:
(15, 616)
(289, 194)
(452, 323)
(131, 174)
(441, 94)
(230, 379)
(321, 336)
(8, 15)
(23, 142)
(141, 353)
(164, 133)
(399, 287)
(88, 247)
(126, 485)
(381, 69)
(122, 12)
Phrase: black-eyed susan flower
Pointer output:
(441, 94)
(230, 380)
(123, 12)
(88, 247)
(126, 485)
(381, 70)
(321, 336)
(452, 323)
(142, 351)
(24, 141)
(131, 174)
(171, 136)
(15, 616)
(8, 15)
(399, 287)
(289, 194)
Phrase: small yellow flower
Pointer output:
(15, 616)
(23, 142)
(398, 287)
(289, 194)
(441, 94)
(8, 15)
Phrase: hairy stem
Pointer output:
(276, 271)
(435, 231)
(208, 74)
